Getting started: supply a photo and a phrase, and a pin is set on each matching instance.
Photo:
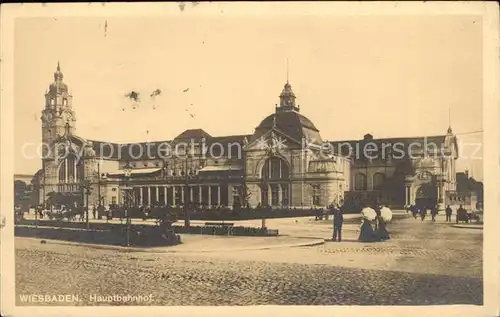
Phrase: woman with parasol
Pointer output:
(383, 218)
(366, 233)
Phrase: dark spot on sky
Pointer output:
(155, 93)
(182, 5)
(133, 95)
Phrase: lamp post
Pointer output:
(42, 205)
(99, 198)
(264, 205)
(187, 196)
(128, 173)
(87, 190)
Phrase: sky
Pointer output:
(391, 76)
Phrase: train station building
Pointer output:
(283, 163)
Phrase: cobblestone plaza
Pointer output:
(424, 263)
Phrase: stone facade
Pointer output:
(283, 163)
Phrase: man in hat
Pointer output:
(338, 220)
(448, 213)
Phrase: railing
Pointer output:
(183, 178)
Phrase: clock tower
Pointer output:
(58, 115)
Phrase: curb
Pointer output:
(477, 227)
(311, 242)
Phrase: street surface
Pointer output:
(424, 263)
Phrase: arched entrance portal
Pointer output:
(275, 187)
(426, 196)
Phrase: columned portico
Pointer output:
(209, 195)
(409, 197)
(440, 193)
(165, 193)
(141, 202)
(218, 196)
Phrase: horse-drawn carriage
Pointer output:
(464, 216)
(61, 214)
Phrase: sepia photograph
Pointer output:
(247, 154)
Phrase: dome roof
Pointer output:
(292, 124)
(58, 86)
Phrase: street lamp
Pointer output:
(128, 172)
(39, 186)
(87, 190)
(187, 196)
(264, 205)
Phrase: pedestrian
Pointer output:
(94, 212)
(448, 213)
(414, 211)
(82, 213)
(381, 231)
(423, 213)
(433, 213)
(338, 220)
(462, 214)
(366, 233)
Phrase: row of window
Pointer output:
(53, 102)
(70, 171)
(361, 181)
(275, 168)
(454, 198)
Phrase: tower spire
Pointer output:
(449, 120)
(449, 116)
(58, 75)
(287, 71)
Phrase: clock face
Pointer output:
(425, 176)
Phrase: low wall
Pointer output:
(69, 234)
(75, 231)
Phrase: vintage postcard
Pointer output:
(246, 158)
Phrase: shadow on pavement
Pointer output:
(103, 237)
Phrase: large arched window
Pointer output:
(275, 190)
(275, 168)
(70, 170)
(378, 181)
(360, 182)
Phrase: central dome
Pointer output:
(292, 124)
(288, 120)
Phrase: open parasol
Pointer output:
(386, 214)
(369, 213)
